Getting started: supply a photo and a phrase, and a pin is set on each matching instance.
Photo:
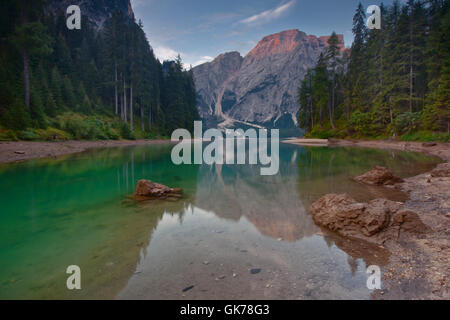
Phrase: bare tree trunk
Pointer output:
(131, 107)
(124, 102)
(410, 86)
(26, 60)
(330, 113)
(311, 111)
(142, 118)
(26, 74)
(320, 116)
(150, 117)
(411, 73)
(332, 105)
(121, 107)
(115, 88)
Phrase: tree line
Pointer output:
(48, 72)
(394, 81)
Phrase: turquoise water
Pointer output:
(76, 210)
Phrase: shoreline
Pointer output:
(19, 151)
(439, 149)
(418, 267)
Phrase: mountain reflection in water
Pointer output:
(75, 210)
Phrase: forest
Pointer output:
(393, 82)
(57, 83)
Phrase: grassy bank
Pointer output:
(75, 126)
(343, 131)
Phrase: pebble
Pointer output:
(188, 288)
(255, 271)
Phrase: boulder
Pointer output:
(378, 176)
(409, 221)
(442, 170)
(150, 189)
(376, 221)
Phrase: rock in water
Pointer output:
(378, 176)
(148, 189)
(376, 221)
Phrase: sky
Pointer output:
(200, 30)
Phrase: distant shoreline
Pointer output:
(18, 151)
(439, 149)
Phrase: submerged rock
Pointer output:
(376, 221)
(378, 176)
(147, 189)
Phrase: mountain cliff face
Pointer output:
(260, 88)
(97, 11)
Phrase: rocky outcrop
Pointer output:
(147, 189)
(378, 176)
(96, 11)
(375, 222)
(260, 88)
(442, 170)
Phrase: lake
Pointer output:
(233, 235)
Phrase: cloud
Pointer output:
(202, 60)
(165, 53)
(137, 3)
(268, 15)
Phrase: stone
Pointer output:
(147, 189)
(429, 144)
(375, 222)
(378, 176)
(409, 221)
(442, 170)
(188, 288)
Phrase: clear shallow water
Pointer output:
(74, 210)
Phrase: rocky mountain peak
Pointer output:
(278, 43)
(261, 88)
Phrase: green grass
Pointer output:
(426, 136)
(74, 126)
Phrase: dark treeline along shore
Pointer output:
(392, 82)
(93, 83)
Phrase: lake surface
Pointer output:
(234, 235)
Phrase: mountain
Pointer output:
(97, 11)
(261, 88)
